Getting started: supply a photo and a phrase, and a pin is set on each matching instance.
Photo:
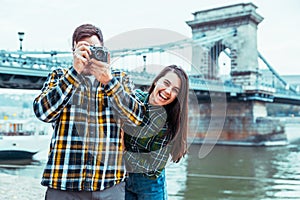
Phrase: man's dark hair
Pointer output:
(86, 30)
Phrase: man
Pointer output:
(85, 156)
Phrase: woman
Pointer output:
(162, 133)
(156, 130)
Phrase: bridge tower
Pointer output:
(245, 116)
(243, 47)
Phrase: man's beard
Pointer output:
(86, 71)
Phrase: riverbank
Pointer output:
(289, 120)
(226, 172)
(21, 187)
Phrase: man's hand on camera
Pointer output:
(101, 70)
(81, 56)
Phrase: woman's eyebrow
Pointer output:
(167, 80)
(178, 88)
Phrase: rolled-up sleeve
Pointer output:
(56, 93)
(128, 106)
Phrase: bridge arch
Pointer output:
(224, 62)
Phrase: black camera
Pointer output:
(99, 53)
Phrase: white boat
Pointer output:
(17, 141)
(22, 147)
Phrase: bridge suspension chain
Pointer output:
(47, 60)
(173, 45)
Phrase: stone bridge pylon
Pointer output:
(242, 48)
(245, 117)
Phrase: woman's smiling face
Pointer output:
(166, 89)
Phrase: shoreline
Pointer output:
(21, 187)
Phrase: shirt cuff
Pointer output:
(72, 77)
(112, 86)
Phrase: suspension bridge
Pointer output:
(230, 31)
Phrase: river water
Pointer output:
(227, 172)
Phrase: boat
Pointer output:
(21, 139)
(14, 147)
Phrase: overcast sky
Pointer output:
(49, 24)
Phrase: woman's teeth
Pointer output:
(162, 96)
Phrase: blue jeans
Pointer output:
(141, 187)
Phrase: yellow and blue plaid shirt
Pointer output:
(86, 148)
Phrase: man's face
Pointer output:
(93, 41)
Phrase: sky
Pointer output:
(49, 24)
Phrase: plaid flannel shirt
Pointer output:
(86, 148)
(147, 146)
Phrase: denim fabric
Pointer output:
(139, 186)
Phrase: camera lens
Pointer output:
(99, 53)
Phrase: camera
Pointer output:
(99, 53)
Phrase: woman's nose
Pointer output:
(168, 89)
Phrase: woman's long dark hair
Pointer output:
(177, 112)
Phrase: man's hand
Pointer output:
(81, 56)
(101, 70)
